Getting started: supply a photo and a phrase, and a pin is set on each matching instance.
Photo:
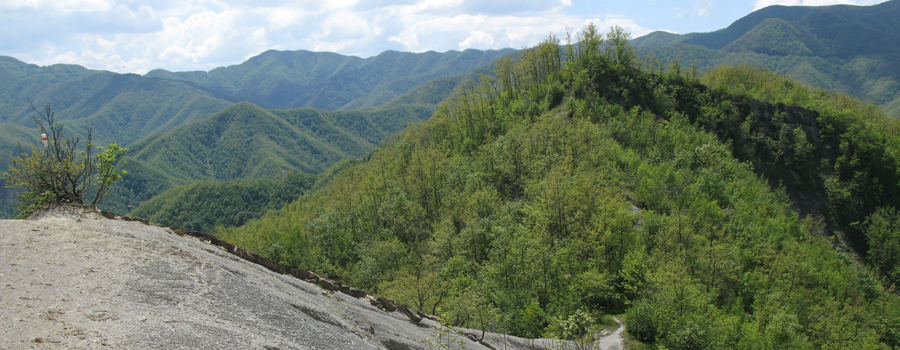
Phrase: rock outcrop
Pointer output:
(71, 278)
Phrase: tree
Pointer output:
(883, 233)
(60, 172)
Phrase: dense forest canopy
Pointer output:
(203, 205)
(580, 181)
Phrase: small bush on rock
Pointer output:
(61, 171)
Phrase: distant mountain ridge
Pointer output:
(127, 108)
(246, 141)
(120, 107)
(846, 48)
(305, 79)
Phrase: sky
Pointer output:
(129, 36)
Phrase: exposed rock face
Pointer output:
(74, 279)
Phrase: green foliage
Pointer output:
(203, 205)
(640, 191)
(883, 232)
(446, 338)
(248, 142)
(29, 201)
(854, 141)
(127, 108)
(849, 50)
(10, 137)
(61, 172)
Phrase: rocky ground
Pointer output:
(72, 279)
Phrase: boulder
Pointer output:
(411, 314)
(353, 292)
(386, 304)
(300, 274)
(374, 302)
(329, 284)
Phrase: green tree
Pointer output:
(883, 232)
(61, 172)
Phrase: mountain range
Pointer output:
(239, 112)
(547, 194)
(127, 108)
(845, 48)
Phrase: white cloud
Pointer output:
(477, 38)
(494, 32)
(203, 34)
(59, 5)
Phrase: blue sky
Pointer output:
(178, 35)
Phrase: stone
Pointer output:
(386, 304)
(329, 284)
(374, 302)
(357, 293)
(411, 314)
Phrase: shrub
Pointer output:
(61, 172)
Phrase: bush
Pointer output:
(641, 322)
(60, 172)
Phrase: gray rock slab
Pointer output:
(71, 279)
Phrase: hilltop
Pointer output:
(738, 209)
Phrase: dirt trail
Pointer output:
(612, 341)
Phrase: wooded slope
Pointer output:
(581, 182)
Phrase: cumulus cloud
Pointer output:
(120, 36)
(703, 8)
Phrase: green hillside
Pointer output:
(850, 49)
(120, 107)
(246, 141)
(203, 205)
(575, 186)
(304, 79)
(11, 138)
(126, 108)
(359, 131)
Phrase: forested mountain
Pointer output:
(120, 107)
(298, 79)
(187, 204)
(580, 182)
(203, 205)
(851, 49)
(126, 108)
(11, 137)
(246, 141)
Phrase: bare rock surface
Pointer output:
(614, 340)
(71, 279)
